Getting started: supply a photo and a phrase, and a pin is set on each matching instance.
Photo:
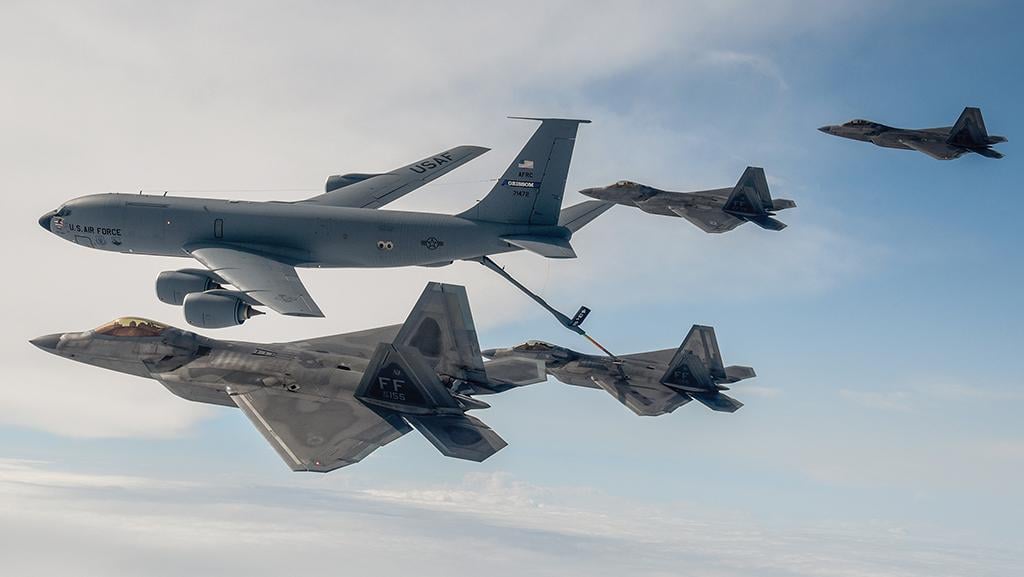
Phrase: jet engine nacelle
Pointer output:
(216, 310)
(173, 286)
(336, 181)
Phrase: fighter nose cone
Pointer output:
(826, 129)
(47, 342)
(591, 192)
(44, 221)
(489, 353)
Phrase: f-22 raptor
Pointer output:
(649, 384)
(255, 246)
(327, 402)
(717, 210)
(944, 143)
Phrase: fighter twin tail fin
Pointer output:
(750, 200)
(970, 132)
(428, 372)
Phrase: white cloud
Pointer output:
(99, 522)
(79, 401)
(884, 400)
(952, 391)
(757, 63)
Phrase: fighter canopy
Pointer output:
(131, 327)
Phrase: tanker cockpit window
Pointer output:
(131, 327)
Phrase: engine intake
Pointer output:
(216, 311)
(173, 286)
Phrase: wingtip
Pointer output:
(472, 148)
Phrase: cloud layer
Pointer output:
(115, 523)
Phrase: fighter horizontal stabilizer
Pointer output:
(988, 152)
(718, 402)
(458, 436)
(737, 373)
(767, 222)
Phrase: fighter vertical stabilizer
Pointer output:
(751, 201)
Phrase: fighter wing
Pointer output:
(358, 344)
(509, 372)
(265, 280)
(710, 220)
(378, 190)
(646, 400)
(314, 433)
(651, 357)
(939, 150)
(440, 327)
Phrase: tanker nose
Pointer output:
(44, 221)
(47, 342)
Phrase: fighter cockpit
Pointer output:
(534, 347)
(859, 122)
(131, 327)
(624, 184)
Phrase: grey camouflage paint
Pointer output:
(944, 143)
(327, 402)
(650, 383)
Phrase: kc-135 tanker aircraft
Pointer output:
(255, 246)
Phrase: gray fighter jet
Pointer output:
(649, 384)
(255, 246)
(717, 210)
(327, 402)
(944, 143)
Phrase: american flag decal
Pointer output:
(525, 164)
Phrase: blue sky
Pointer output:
(882, 435)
